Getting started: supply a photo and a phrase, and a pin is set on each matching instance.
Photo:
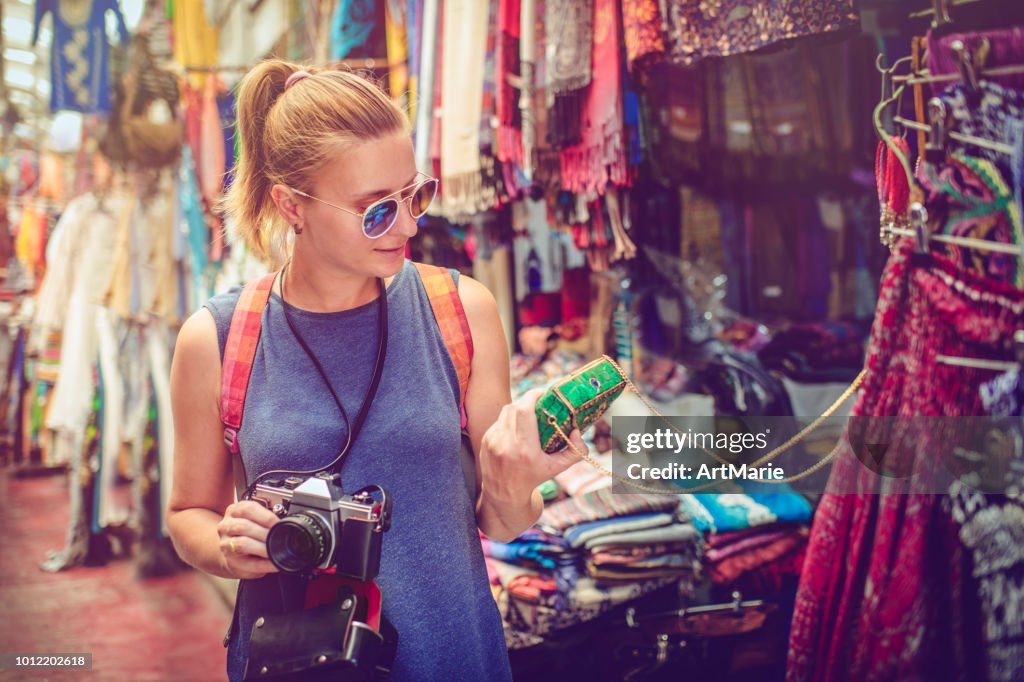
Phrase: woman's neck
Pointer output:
(319, 291)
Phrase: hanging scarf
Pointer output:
(696, 30)
(491, 170)
(600, 157)
(507, 71)
(426, 71)
(211, 143)
(351, 26)
(464, 40)
(569, 48)
(644, 33)
(395, 32)
(547, 165)
(568, 67)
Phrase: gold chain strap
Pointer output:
(803, 433)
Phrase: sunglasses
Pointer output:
(380, 216)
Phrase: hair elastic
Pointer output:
(295, 78)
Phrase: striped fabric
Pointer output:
(451, 320)
(603, 504)
(239, 353)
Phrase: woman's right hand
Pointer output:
(243, 539)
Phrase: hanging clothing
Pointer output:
(357, 30)
(991, 528)
(506, 71)
(79, 53)
(969, 197)
(600, 156)
(567, 67)
(1005, 47)
(698, 29)
(196, 41)
(463, 191)
(895, 607)
(644, 33)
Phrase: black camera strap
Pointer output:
(352, 429)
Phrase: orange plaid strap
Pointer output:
(239, 352)
(451, 320)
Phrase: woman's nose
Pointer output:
(405, 224)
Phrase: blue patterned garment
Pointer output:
(757, 504)
(79, 53)
(351, 26)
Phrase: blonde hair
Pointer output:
(286, 136)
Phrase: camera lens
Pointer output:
(297, 543)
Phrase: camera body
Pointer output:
(322, 528)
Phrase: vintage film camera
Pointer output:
(322, 528)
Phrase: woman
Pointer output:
(317, 151)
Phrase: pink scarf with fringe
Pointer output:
(600, 157)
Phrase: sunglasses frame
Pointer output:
(390, 197)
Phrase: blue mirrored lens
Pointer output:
(379, 218)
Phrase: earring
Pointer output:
(298, 230)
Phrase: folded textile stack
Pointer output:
(756, 559)
(637, 547)
(586, 555)
(754, 540)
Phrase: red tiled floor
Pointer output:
(167, 628)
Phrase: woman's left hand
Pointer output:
(512, 462)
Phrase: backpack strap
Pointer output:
(239, 353)
(451, 320)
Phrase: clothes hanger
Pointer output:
(923, 238)
(891, 97)
(968, 62)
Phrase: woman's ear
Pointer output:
(287, 203)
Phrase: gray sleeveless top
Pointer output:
(432, 574)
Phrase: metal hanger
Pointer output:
(889, 97)
(994, 365)
(923, 238)
(938, 122)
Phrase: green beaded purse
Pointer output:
(577, 401)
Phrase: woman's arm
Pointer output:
(208, 531)
(510, 461)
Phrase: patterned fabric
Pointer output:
(644, 33)
(510, 144)
(748, 507)
(239, 352)
(569, 48)
(464, 48)
(990, 117)
(600, 157)
(451, 320)
(730, 569)
(677, 532)
(893, 608)
(1006, 47)
(969, 197)
(351, 27)
(584, 532)
(717, 28)
(991, 528)
(79, 53)
(602, 504)
(526, 624)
